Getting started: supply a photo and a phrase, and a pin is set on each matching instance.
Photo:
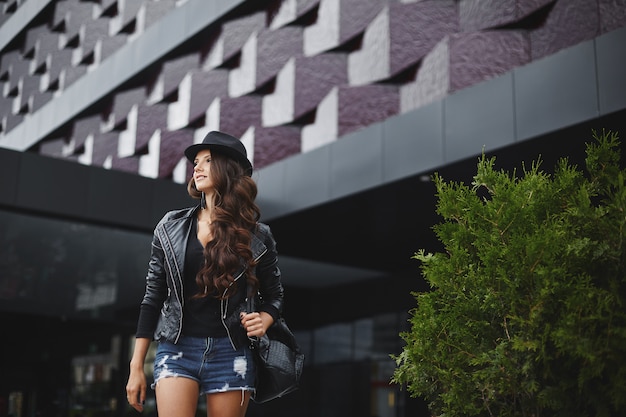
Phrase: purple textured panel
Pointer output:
(30, 88)
(415, 28)
(79, 13)
(484, 14)
(569, 23)
(129, 13)
(272, 144)
(157, 9)
(302, 8)
(285, 14)
(361, 106)
(48, 44)
(61, 12)
(94, 31)
(274, 48)
(83, 128)
(6, 103)
(129, 164)
(527, 7)
(6, 63)
(355, 15)
(175, 70)
(106, 5)
(39, 99)
(19, 69)
(478, 56)
(238, 114)
(13, 120)
(315, 77)
(173, 145)
(59, 60)
(205, 87)
(612, 15)
(237, 31)
(124, 101)
(72, 74)
(305, 6)
(52, 148)
(149, 119)
(111, 44)
(104, 147)
(33, 36)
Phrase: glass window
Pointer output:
(71, 269)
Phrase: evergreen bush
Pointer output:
(526, 314)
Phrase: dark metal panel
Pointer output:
(271, 184)
(611, 55)
(52, 186)
(413, 142)
(479, 117)
(119, 198)
(9, 174)
(60, 188)
(165, 196)
(556, 91)
(355, 162)
(307, 178)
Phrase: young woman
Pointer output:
(205, 262)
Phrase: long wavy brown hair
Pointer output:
(235, 215)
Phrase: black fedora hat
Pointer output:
(224, 144)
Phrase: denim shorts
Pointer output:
(212, 362)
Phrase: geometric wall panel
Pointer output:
(399, 37)
(290, 75)
(339, 21)
(568, 23)
(475, 15)
(478, 56)
(612, 14)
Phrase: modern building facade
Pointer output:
(346, 108)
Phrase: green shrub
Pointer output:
(526, 313)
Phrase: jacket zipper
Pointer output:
(224, 303)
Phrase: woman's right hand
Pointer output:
(136, 388)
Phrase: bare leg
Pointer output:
(227, 404)
(177, 397)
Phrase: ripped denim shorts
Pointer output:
(212, 362)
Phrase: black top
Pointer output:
(201, 316)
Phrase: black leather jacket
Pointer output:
(164, 281)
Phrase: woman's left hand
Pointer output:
(256, 324)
